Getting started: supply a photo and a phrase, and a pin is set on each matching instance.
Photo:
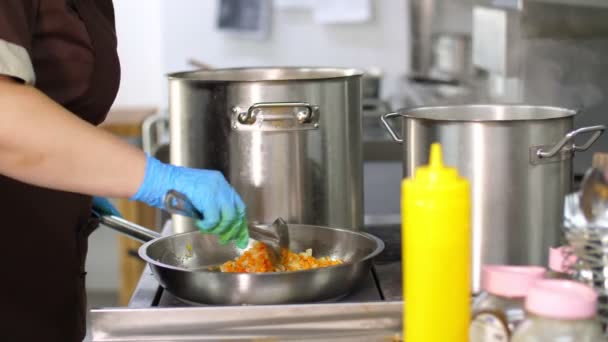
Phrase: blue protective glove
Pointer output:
(103, 206)
(222, 208)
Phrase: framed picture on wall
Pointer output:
(245, 18)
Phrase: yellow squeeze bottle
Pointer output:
(436, 250)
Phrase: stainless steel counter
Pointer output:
(375, 321)
(371, 312)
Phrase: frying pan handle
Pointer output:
(175, 203)
(127, 228)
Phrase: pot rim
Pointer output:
(487, 113)
(265, 74)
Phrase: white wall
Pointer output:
(159, 36)
(139, 48)
(188, 31)
(156, 37)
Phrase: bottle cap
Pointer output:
(510, 281)
(437, 187)
(562, 299)
(435, 173)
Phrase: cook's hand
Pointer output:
(103, 206)
(222, 208)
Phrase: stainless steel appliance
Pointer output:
(519, 162)
(288, 139)
(542, 52)
(452, 56)
(440, 35)
(379, 321)
(545, 52)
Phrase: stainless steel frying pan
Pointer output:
(181, 265)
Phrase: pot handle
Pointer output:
(151, 130)
(569, 138)
(384, 118)
(276, 116)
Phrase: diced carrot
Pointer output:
(256, 259)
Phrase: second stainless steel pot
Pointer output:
(288, 139)
(519, 162)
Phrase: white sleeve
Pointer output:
(15, 61)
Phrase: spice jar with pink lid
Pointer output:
(560, 310)
(500, 307)
(564, 264)
(561, 263)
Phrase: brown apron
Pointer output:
(44, 232)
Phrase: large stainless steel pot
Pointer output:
(519, 162)
(288, 139)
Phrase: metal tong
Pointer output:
(275, 236)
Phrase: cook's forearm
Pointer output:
(43, 144)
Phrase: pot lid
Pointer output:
(485, 112)
(263, 74)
